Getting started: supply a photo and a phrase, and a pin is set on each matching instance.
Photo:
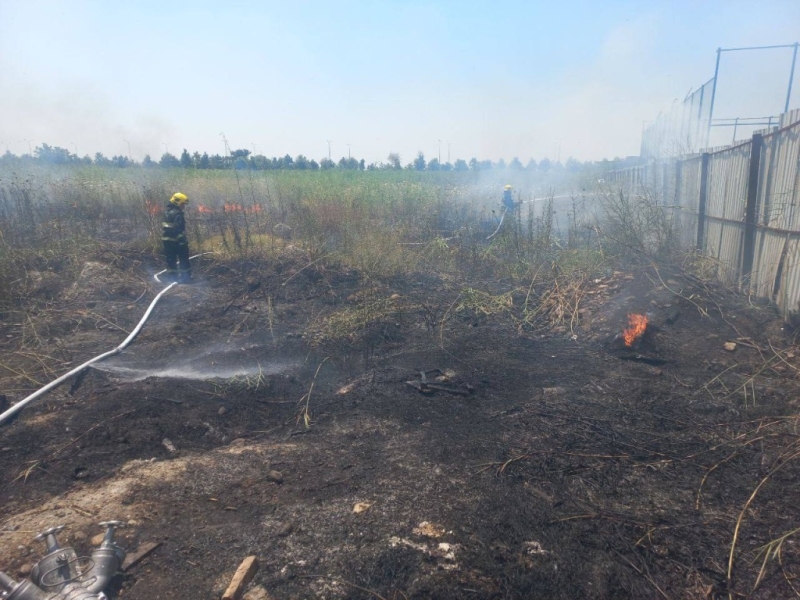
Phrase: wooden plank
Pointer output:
(142, 552)
(244, 575)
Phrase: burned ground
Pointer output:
(538, 460)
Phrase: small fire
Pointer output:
(636, 328)
(203, 209)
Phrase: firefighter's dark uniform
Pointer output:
(508, 200)
(176, 247)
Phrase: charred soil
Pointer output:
(391, 439)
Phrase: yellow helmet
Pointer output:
(179, 199)
(508, 187)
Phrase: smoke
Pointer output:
(76, 114)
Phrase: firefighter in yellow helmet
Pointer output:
(173, 234)
(508, 200)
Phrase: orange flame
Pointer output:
(203, 209)
(636, 328)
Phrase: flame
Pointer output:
(636, 327)
(203, 209)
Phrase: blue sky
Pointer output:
(491, 79)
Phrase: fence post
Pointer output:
(701, 207)
(749, 242)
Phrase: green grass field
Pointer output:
(380, 222)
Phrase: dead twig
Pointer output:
(744, 510)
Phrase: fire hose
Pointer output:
(502, 218)
(55, 383)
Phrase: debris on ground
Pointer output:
(243, 576)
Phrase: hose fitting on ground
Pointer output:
(62, 575)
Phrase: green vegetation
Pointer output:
(383, 224)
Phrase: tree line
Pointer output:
(244, 159)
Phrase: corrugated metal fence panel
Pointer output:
(687, 200)
(769, 246)
(727, 182)
(781, 196)
(778, 179)
(727, 197)
(788, 298)
(724, 243)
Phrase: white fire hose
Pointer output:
(502, 218)
(23, 403)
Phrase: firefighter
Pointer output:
(176, 248)
(508, 200)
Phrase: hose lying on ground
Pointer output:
(23, 403)
(502, 218)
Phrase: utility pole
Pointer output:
(348, 151)
(329, 149)
(166, 148)
(129, 148)
(448, 152)
(791, 78)
(254, 149)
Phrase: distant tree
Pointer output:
(196, 159)
(447, 167)
(301, 162)
(474, 165)
(394, 161)
(361, 165)
(215, 161)
(433, 165)
(186, 159)
(326, 164)
(313, 165)
(100, 159)
(544, 165)
(203, 162)
(501, 164)
(168, 160)
(372, 167)
(86, 160)
(573, 166)
(531, 166)
(148, 162)
(242, 153)
(419, 162)
(287, 162)
(461, 165)
(53, 155)
(515, 164)
(121, 161)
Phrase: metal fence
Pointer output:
(683, 129)
(739, 205)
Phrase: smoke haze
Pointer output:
(556, 80)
